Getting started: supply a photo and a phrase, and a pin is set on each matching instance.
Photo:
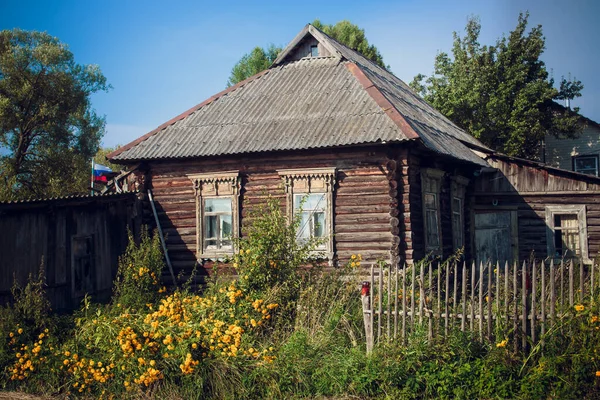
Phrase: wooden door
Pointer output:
(495, 236)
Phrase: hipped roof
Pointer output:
(316, 102)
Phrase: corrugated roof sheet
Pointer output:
(304, 104)
(436, 131)
(310, 103)
(71, 197)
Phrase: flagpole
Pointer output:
(92, 180)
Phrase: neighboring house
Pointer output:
(382, 173)
(580, 154)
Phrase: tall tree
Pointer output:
(501, 94)
(48, 128)
(252, 63)
(344, 32)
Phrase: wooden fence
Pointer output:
(523, 301)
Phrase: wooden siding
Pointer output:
(513, 177)
(531, 214)
(528, 189)
(303, 49)
(32, 232)
(559, 152)
(365, 198)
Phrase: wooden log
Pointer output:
(489, 301)
(404, 303)
(380, 302)
(446, 308)
(421, 293)
(430, 317)
(412, 298)
(515, 304)
(571, 278)
(533, 302)
(464, 297)
(455, 294)
(543, 299)
(524, 306)
(552, 295)
(396, 302)
(389, 303)
(472, 322)
(480, 310)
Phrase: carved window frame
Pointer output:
(580, 211)
(458, 192)
(431, 184)
(310, 181)
(216, 185)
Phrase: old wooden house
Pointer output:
(383, 173)
(76, 240)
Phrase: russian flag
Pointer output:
(100, 171)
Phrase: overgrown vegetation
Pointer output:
(281, 329)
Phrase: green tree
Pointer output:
(344, 32)
(252, 63)
(48, 128)
(501, 94)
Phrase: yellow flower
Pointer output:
(597, 373)
(20, 330)
(502, 343)
(579, 307)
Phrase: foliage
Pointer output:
(501, 94)
(344, 32)
(252, 63)
(140, 268)
(237, 341)
(48, 129)
(352, 36)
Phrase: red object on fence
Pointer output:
(365, 289)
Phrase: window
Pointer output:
(217, 213)
(567, 231)
(431, 182)
(312, 209)
(314, 51)
(459, 185)
(310, 195)
(586, 164)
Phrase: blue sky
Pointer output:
(163, 57)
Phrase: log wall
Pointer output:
(366, 198)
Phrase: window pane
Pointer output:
(315, 201)
(226, 227)
(304, 229)
(210, 226)
(319, 224)
(432, 228)
(586, 165)
(430, 200)
(314, 51)
(217, 205)
(566, 235)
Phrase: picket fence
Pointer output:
(523, 301)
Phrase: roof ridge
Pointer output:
(185, 114)
(382, 101)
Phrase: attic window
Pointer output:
(314, 51)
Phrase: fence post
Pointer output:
(367, 313)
